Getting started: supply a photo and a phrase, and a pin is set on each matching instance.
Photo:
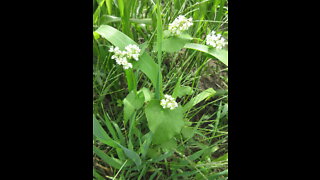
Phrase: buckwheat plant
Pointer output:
(179, 25)
(215, 40)
(168, 102)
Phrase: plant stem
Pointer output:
(158, 92)
(131, 80)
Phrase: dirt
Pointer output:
(212, 77)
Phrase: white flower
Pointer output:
(180, 24)
(121, 61)
(127, 65)
(215, 40)
(117, 53)
(170, 98)
(120, 57)
(168, 102)
(163, 102)
(112, 49)
(172, 105)
(133, 51)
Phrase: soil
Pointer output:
(212, 76)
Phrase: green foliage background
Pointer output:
(134, 138)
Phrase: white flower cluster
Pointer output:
(120, 57)
(132, 51)
(168, 102)
(180, 24)
(215, 40)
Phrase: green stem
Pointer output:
(124, 7)
(109, 6)
(131, 80)
(158, 92)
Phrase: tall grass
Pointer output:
(124, 146)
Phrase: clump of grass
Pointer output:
(134, 136)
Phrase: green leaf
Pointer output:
(101, 135)
(197, 154)
(148, 67)
(224, 111)
(109, 19)
(106, 19)
(131, 154)
(147, 94)
(121, 7)
(153, 153)
(141, 21)
(132, 103)
(96, 35)
(180, 91)
(215, 175)
(200, 97)
(114, 36)
(162, 157)
(187, 132)
(209, 152)
(169, 145)
(116, 163)
(177, 4)
(184, 90)
(164, 123)
(173, 44)
(220, 54)
(97, 175)
(120, 135)
(145, 146)
(97, 12)
(185, 36)
(109, 126)
(221, 158)
(109, 6)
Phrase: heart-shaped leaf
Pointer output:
(164, 123)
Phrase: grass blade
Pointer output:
(200, 97)
(116, 163)
(99, 132)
